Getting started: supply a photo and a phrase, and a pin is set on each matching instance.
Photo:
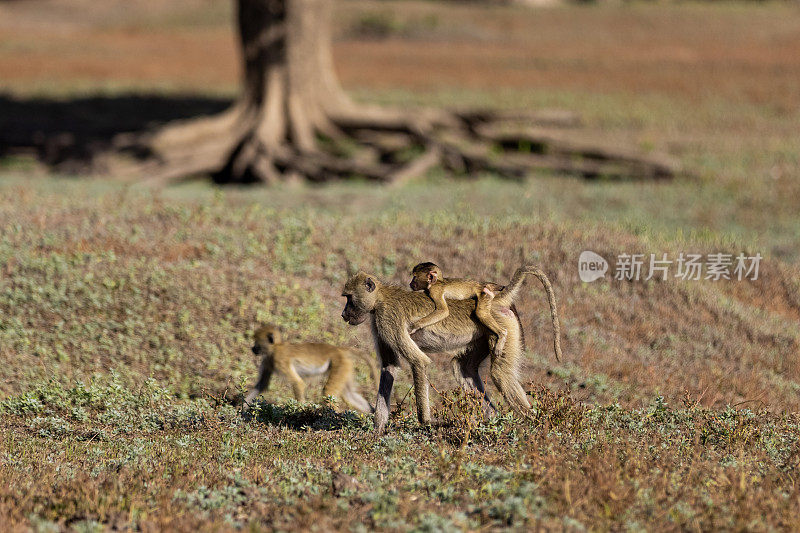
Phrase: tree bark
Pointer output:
(292, 119)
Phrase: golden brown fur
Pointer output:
(393, 309)
(295, 360)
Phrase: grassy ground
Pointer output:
(102, 455)
(99, 278)
(125, 312)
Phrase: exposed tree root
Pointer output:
(293, 119)
(384, 146)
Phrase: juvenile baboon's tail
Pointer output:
(506, 298)
(368, 360)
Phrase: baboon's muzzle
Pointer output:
(351, 318)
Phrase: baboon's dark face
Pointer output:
(361, 294)
(424, 275)
(264, 338)
(419, 281)
(423, 278)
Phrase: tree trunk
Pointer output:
(292, 118)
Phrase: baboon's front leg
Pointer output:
(390, 363)
(264, 375)
(383, 404)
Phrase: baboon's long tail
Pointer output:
(369, 360)
(509, 293)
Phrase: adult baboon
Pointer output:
(393, 309)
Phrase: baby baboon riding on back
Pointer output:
(428, 277)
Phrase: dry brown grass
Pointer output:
(144, 460)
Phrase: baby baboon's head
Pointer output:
(424, 275)
(265, 337)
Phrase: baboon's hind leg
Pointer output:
(465, 369)
(340, 373)
(483, 311)
(505, 374)
(355, 400)
(298, 385)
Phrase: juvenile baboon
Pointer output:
(393, 309)
(298, 360)
(428, 277)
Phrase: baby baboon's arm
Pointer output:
(436, 293)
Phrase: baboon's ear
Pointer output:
(369, 283)
(432, 277)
